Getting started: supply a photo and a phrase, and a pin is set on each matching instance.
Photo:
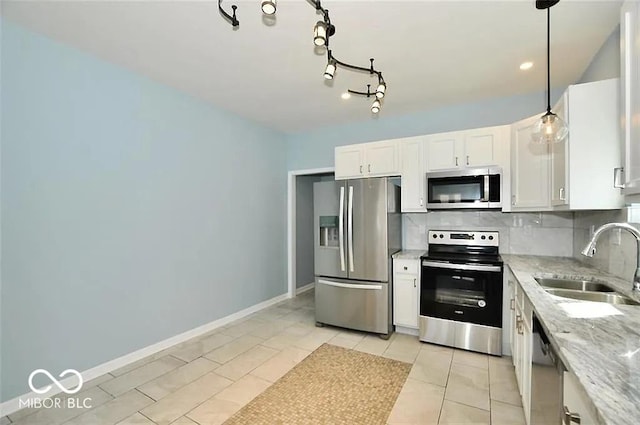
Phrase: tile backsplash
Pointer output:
(616, 249)
(543, 233)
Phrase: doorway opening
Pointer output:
(300, 230)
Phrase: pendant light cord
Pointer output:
(548, 60)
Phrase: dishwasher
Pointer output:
(546, 379)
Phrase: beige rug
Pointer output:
(333, 385)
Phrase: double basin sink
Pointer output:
(584, 290)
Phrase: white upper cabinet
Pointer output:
(630, 81)
(412, 171)
(443, 150)
(592, 149)
(374, 159)
(577, 173)
(530, 169)
(471, 148)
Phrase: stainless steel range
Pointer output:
(461, 291)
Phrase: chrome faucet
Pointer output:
(590, 249)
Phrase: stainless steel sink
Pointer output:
(576, 285)
(603, 297)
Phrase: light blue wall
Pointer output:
(315, 149)
(130, 212)
(606, 63)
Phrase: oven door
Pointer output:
(462, 292)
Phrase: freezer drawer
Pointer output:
(351, 304)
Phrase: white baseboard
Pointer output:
(407, 331)
(11, 406)
(305, 288)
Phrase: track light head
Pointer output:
(330, 70)
(320, 33)
(375, 107)
(382, 87)
(269, 7)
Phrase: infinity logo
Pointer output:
(55, 381)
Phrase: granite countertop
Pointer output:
(409, 254)
(603, 350)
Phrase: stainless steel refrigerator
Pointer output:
(357, 229)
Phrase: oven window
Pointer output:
(456, 189)
(464, 291)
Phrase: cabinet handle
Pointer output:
(421, 201)
(618, 178)
(570, 417)
(513, 199)
(414, 283)
(369, 167)
(513, 305)
(405, 267)
(361, 169)
(456, 161)
(562, 197)
(467, 159)
(519, 324)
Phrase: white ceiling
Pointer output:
(431, 53)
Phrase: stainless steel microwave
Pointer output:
(466, 188)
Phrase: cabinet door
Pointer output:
(405, 300)
(348, 162)
(630, 76)
(559, 158)
(575, 401)
(444, 151)
(413, 174)
(529, 169)
(381, 159)
(481, 147)
(527, 346)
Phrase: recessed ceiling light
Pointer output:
(526, 65)
(346, 95)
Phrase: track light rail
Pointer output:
(323, 30)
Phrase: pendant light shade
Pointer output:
(550, 128)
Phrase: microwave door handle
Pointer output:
(485, 197)
(341, 229)
(350, 229)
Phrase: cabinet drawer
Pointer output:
(406, 266)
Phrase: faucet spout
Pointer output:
(590, 249)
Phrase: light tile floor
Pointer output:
(205, 380)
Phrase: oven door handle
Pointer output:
(473, 267)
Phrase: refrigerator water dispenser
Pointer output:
(329, 231)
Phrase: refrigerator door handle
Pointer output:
(341, 229)
(350, 228)
(349, 285)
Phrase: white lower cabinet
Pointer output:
(521, 344)
(576, 406)
(406, 284)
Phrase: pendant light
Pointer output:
(550, 128)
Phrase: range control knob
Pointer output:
(482, 303)
(441, 236)
(490, 238)
(435, 236)
(483, 237)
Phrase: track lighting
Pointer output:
(322, 32)
(375, 108)
(269, 7)
(550, 128)
(380, 90)
(330, 70)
